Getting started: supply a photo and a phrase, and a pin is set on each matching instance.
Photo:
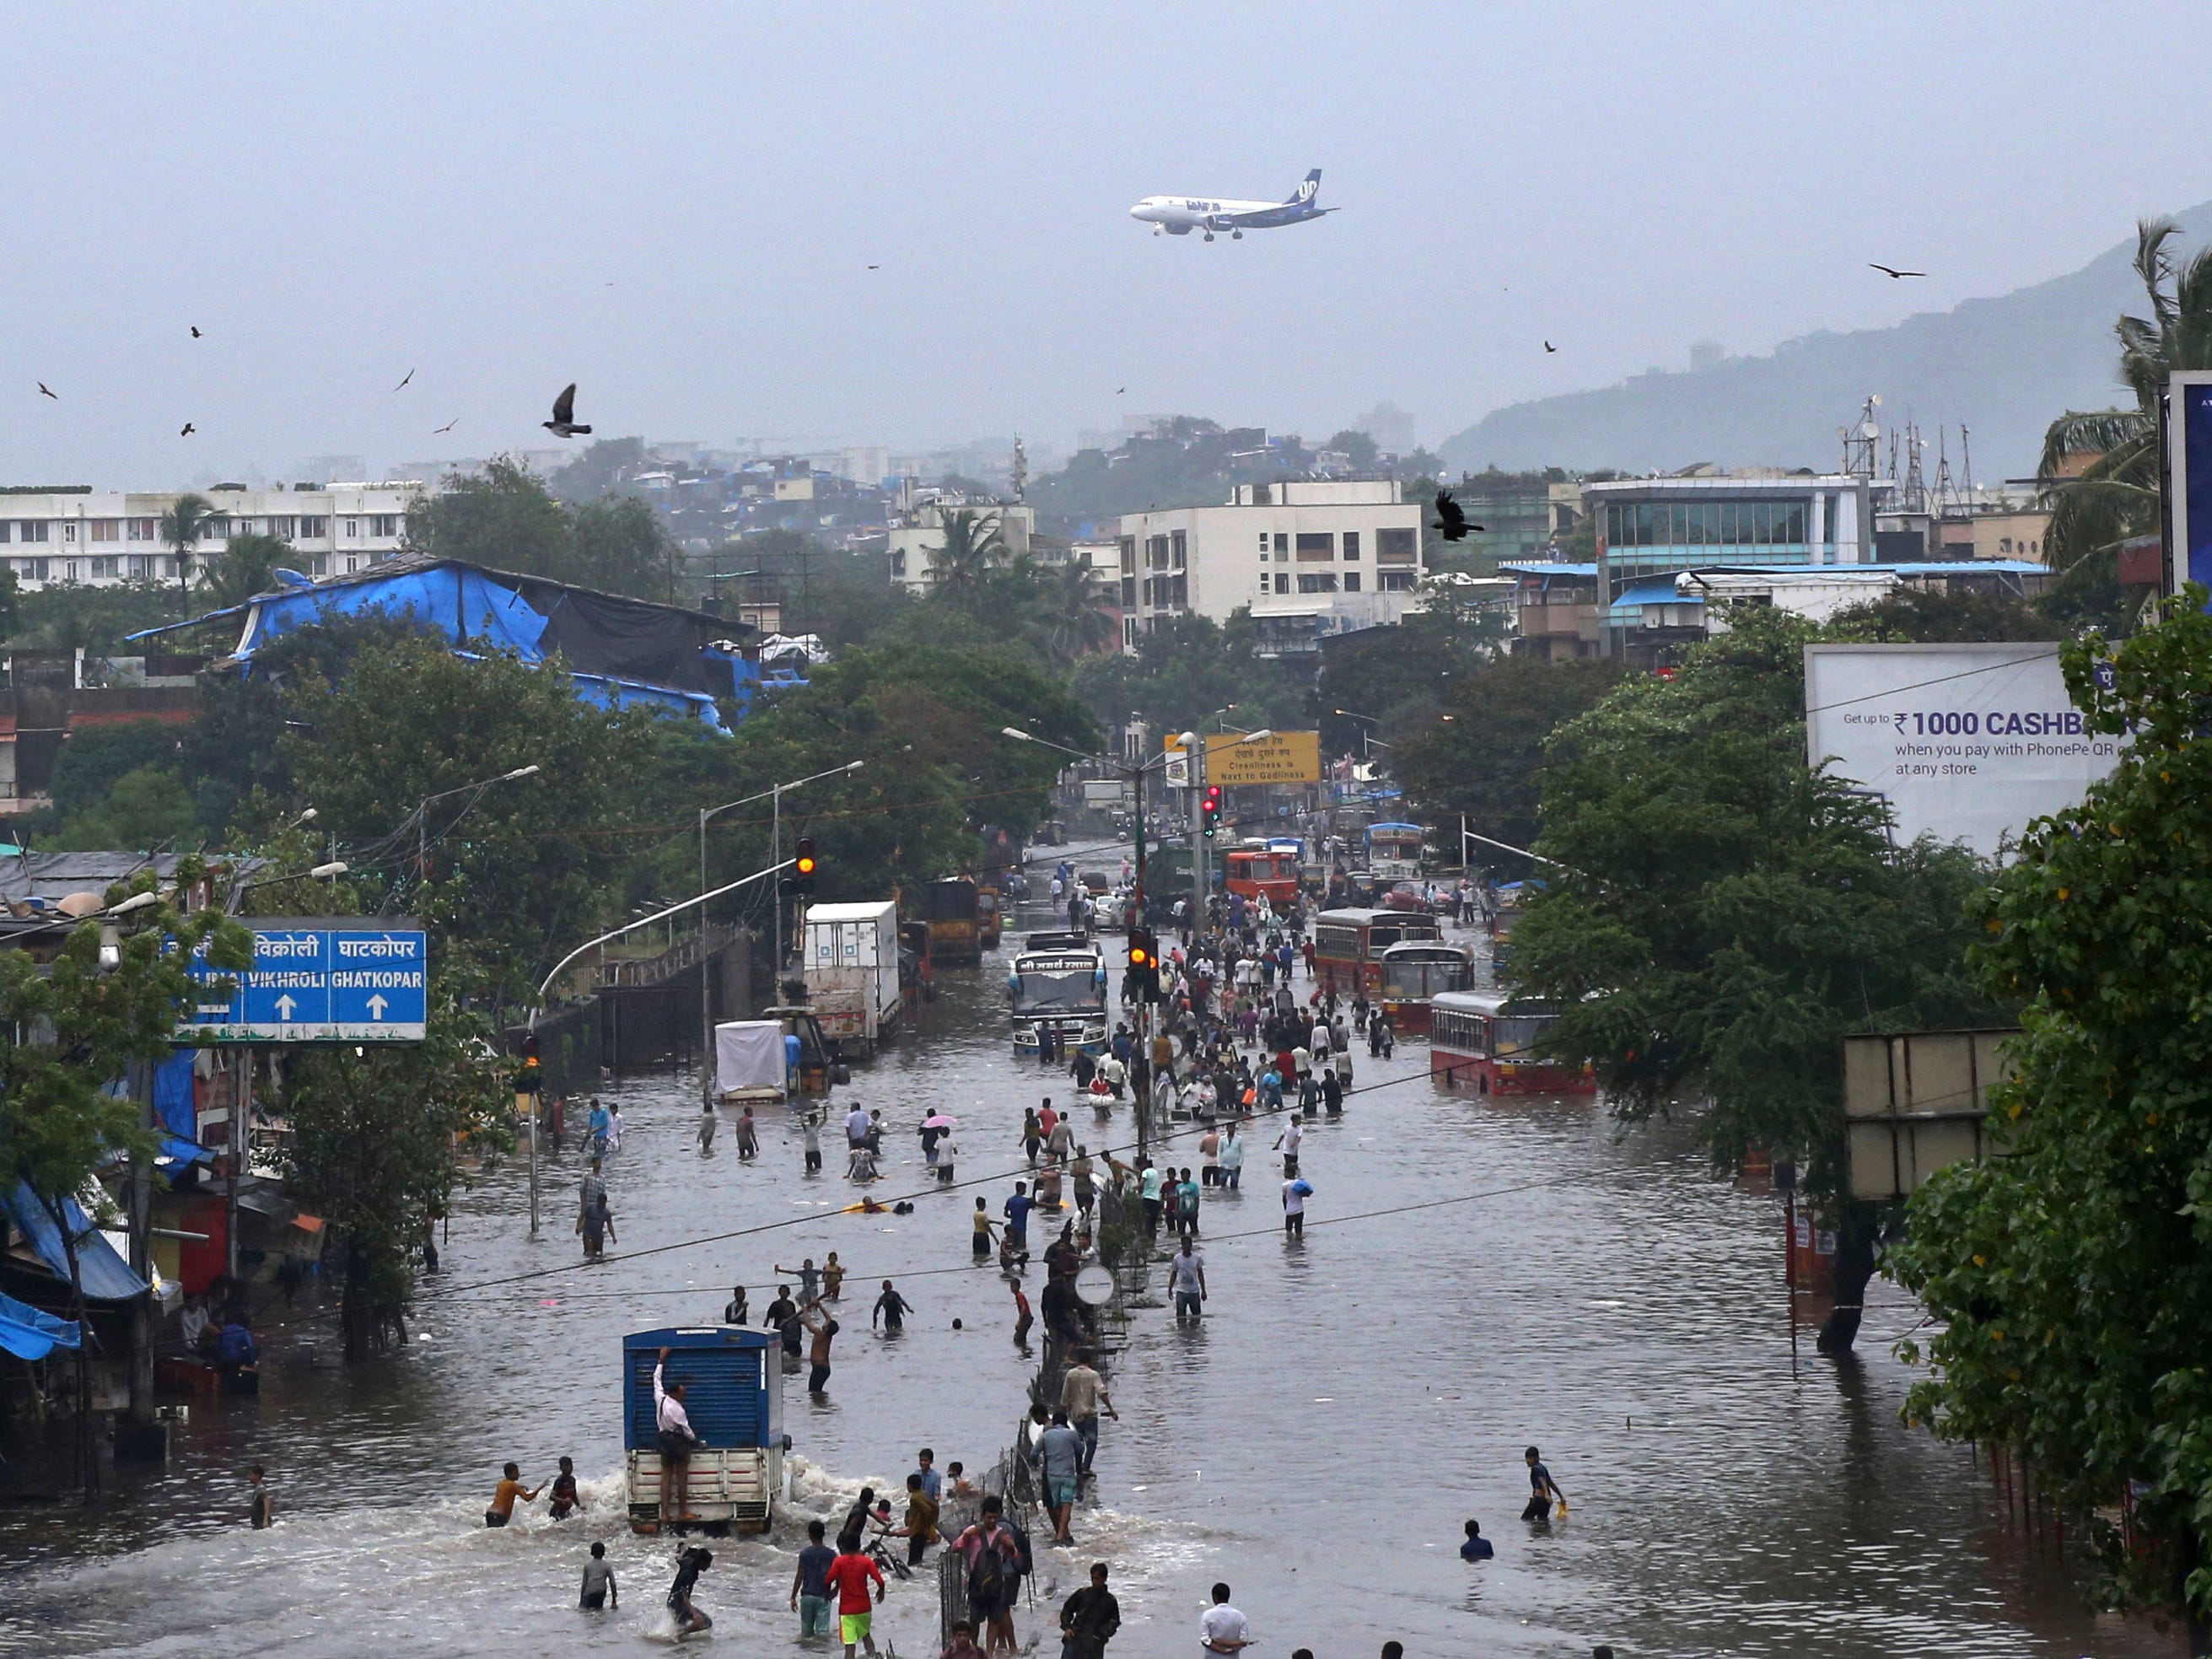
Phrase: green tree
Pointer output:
(1906, 614)
(2070, 1281)
(373, 1132)
(90, 761)
(1074, 619)
(245, 567)
(518, 871)
(1716, 916)
(78, 616)
(505, 518)
(1485, 760)
(1362, 449)
(70, 1029)
(2117, 495)
(974, 546)
(618, 546)
(180, 529)
(1187, 667)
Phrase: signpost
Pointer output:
(2189, 479)
(1236, 762)
(318, 979)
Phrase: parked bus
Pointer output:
(1348, 946)
(1414, 971)
(1393, 852)
(1255, 870)
(1058, 983)
(1486, 1042)
(951, 909)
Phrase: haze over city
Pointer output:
(679, 212)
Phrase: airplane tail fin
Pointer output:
(1307, 190)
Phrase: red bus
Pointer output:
(1255, 870)
(1417, 969)
(1481, 1041)
(1348, 946)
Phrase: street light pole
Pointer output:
(775, 855)
(423, 816)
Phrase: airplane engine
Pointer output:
(1176, 230)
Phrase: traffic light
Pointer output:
(802, 867)
(1209, 809)
(1141, 983)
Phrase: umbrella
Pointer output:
(940, 1120)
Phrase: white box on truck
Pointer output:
(849, 957)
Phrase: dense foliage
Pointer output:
(505, 519)
(1715, 915)
(2070, 1280)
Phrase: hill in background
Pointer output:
(2004, 367)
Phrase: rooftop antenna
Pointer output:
(1861, 441)
(1913, 498)
(1966, 462)
(1945, 490)
(1020, 472)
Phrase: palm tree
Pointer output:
(975, 545)
(2116, 495)
(1072, 602)
(180, 529)
(246, 566)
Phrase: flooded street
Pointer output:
(1475, 1276)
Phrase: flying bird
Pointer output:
(55, 396)
(448, 426)
(1119, 389)
(1451, 518)
(189, 430)
(875, 267)
(1892, 272)
(563, 424)
(1548, 346)
(196, 331)
(402, 386)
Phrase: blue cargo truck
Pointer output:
(735, 1401)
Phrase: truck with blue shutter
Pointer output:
(735, 1401)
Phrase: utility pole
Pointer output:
(1144, 1003)
(775, 896)
(1198, 842)
(142, 1440)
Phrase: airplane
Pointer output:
(1179, 215)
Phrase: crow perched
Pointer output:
(563, 424)
(1451, 518)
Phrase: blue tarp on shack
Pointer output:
(460, 603)
(31, 1333)
(107, 1277)
(174, 1106)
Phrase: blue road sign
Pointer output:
(319, 980)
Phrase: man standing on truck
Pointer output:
(677, 1442)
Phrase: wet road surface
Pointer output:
(1474, 1277)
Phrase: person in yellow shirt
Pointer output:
(502, 1498)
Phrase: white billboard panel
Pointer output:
(1966, 742)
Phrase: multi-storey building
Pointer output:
(917, 535)
(99, 538)
(1308, 557)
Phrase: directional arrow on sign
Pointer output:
(376, 1007)
(284, 1007)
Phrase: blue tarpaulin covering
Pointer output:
(31, 1333)
(173, 1105)
(107, 1277)
(462, 604)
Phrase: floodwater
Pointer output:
(1476, 1276)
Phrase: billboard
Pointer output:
(2189, 475)
(1279, 757)
(1964, 742)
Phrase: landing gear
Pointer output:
(1209, 235)
(1235, 235)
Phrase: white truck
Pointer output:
(849, 957)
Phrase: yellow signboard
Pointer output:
(1279, 757)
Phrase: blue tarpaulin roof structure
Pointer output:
(1635, 598)
(31, 1333)
(106, 1276)
(621, 652)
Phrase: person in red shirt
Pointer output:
(848, 1576)
(1047, 1117)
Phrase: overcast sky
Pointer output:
(677, 206)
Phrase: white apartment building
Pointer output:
(99, 538)
(1310, 557)
(918, 533)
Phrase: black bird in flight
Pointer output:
(875, 267)
(1451, 518)
(1892, 272)
(55, 396)
(1548, 346)
(189, 430)
(402, 386)
(196, 331)
(563, 424)
(448, 426)
(1119, 389)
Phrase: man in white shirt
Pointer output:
(1294, 1207)
(676, 1443)
(857, 1126)
(1221, 1628)
(1293, 1136)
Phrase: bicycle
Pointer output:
(889, 1559)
